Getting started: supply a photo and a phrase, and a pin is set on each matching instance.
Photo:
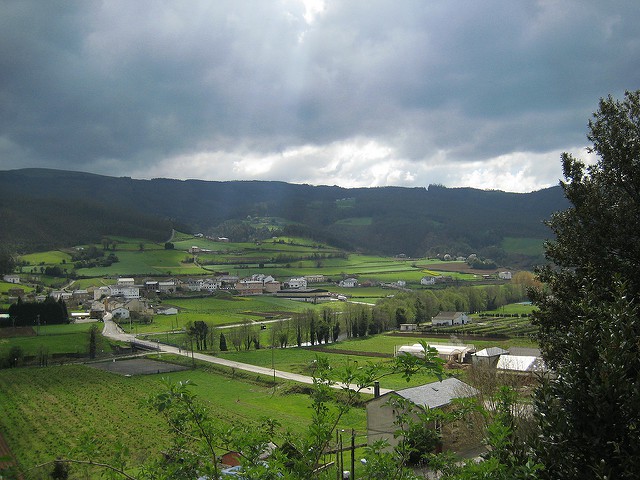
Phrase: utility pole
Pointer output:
(353, 454)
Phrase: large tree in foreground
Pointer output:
(588, 319)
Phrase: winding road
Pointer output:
(113, 331)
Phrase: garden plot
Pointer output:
(138, 366)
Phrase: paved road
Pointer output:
(112, 330)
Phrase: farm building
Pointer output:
(448, 319)
(167, 311)
(408, 327)
(504, 275)
(488, 356)
(382, 412)
(297, 282)
(456, 353)
(305, 294)
(348, 283)
(428, 280)
(250, 287)
(314, 278)
(520, 363)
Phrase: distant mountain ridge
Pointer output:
(51, 208)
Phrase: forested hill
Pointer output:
(46, 208)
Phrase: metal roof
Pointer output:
(491, 352)
(438, 394)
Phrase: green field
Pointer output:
(6, 286)
(56, 340)
(148, 262)
(47, 410)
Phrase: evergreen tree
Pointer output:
(588, 314)
(223, 343)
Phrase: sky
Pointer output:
(355, 93)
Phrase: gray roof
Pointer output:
(491, 352)
(438, 394)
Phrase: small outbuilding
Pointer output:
(488, 356)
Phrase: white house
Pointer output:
(125, 281)
(348, 283)
(428, 280)
(448, 319)
(261, 277)
(120, 312)
(126, 291)
(11, 278)
(504, 275)
(297, 282)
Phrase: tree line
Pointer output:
(48, 312)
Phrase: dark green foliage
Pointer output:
(7, 259)
(169, 246)
(32, 314)
(223, 343)
(12, 358)
(60, 471)
(588, 316)
(199, 331)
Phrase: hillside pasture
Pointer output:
(147, 262)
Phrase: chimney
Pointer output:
(376, 389)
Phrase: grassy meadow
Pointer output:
(47, 411)
(55, 340)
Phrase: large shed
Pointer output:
(456, 353)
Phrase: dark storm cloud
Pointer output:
(405, 90)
